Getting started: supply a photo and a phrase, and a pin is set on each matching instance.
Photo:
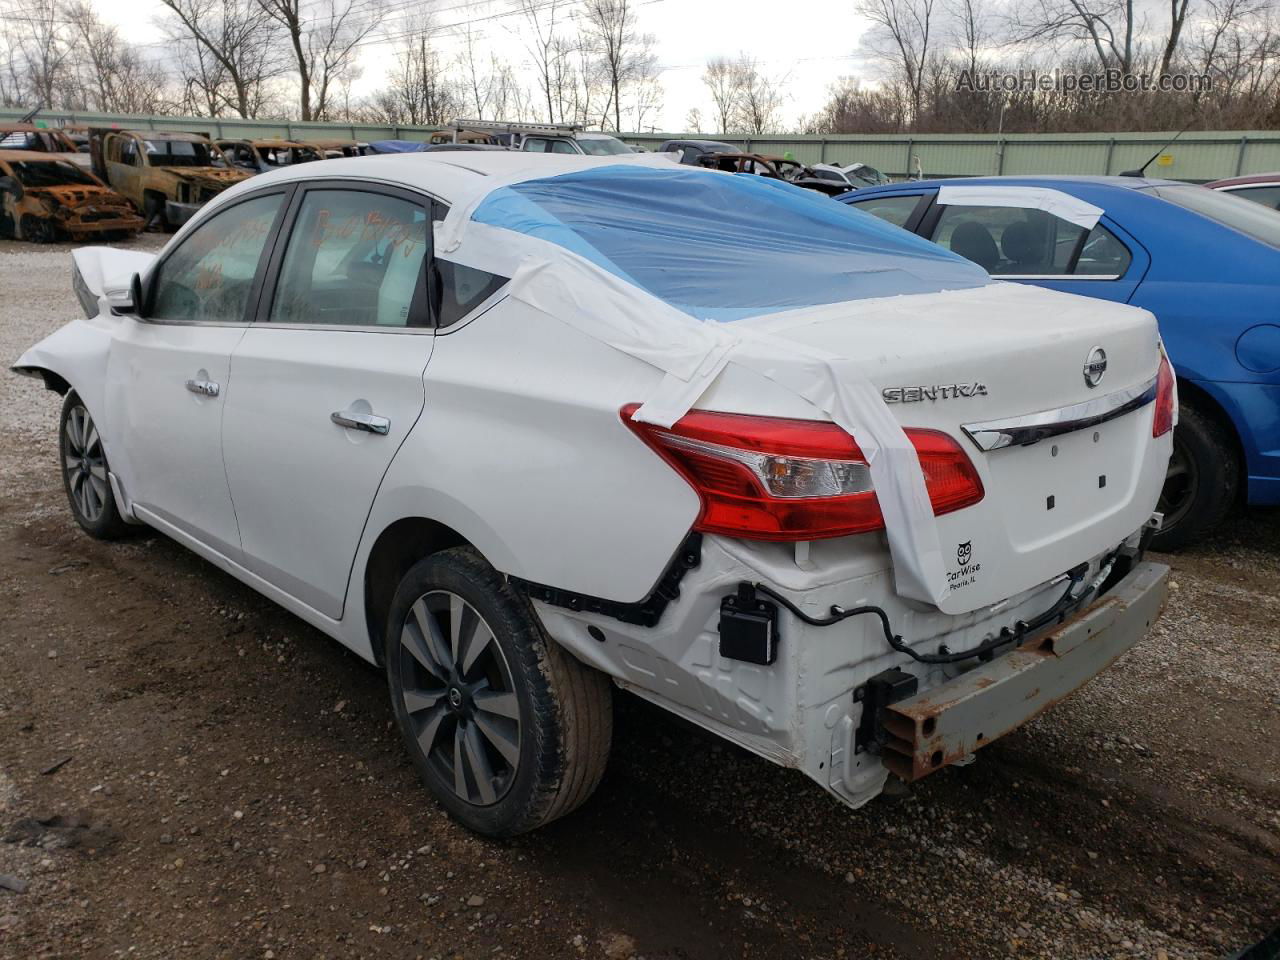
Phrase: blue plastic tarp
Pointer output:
(722, 247)
(396, 146)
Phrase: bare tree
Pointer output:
(693, 120)
(111, 74)
(626, 56)
(550, 51)
(39, 52)
(723, 81)
(759, 101)
(237, 50)
(903, 36)
(1107, 26)
(419, 90)
(324, 43)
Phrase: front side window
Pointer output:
(178, 153)
(534, 144)
(354, 259)
(209, 277)
(1023, 241)
(895, 210)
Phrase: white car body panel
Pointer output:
(167, 448)
(302, 485)
(505, 429)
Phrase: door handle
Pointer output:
(369, 422)
(206, 388)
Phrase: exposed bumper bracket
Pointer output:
(930, 730)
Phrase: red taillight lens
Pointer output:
(768, 478)
(1162, 422)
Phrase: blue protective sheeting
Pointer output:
(722, 247)
(396, 146)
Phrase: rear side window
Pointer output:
(895, 210)
(354, 258)
(209, 277)
(457, 290)
(1025, 242)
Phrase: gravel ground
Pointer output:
(230, 785)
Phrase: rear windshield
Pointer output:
(34, 173)
(721, 246)
(1251, 219)
(178, 153)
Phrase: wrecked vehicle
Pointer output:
(775, 168)
(824, 489)
(333, 149)
(48, 140)
(259, 156)
(44, 198)
(168, 175)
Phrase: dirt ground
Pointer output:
(187, 770)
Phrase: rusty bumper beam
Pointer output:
(940, 726)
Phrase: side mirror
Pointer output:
(10, 185)
(130, 303)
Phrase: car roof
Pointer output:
(1241, 181)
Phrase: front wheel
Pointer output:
(1201, 484)
(84, 472)
(507, 729)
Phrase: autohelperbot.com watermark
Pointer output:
(1112, 80)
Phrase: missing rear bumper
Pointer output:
(928, 731)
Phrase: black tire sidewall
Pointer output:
(1217, 478)
(110, 525)
(461, 571)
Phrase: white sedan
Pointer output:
(522, 429)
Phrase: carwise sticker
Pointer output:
(968, 568)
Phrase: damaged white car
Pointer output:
(516, 431)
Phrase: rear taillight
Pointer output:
(1162, 422)
(767, 478)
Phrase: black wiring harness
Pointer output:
(1016, 634)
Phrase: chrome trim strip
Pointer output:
(1054, 276)
(1034, 427)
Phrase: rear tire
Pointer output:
(83, 462)
(1201, 485)
(506, 728)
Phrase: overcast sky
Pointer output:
(809, 46)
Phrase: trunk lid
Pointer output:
(964, 358)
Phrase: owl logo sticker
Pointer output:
(964, 552)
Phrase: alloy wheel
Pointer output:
(458, 693)
(85, 465)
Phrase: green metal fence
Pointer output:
(1199, 156)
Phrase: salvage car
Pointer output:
(1205, 263)
(1263, 188)
(46, 140)
(168, 175)
(515, 432)
(44, 198)
(690, 151)
(259, 156)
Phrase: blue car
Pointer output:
(1205, 263)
